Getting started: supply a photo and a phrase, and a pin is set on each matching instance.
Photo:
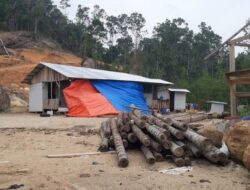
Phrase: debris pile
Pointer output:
(159, 138)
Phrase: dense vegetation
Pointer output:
(174, 52)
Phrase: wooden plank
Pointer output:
(78, 154)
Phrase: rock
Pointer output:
(85, 175)
(95, 163)
(213, 134)
(4, 100)
(246, 157)
(237, 139)
(17, 104)
(205, 181)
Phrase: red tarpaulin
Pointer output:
(83, 100)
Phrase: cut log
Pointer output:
(155, 145)
(148, 154)
(138, 121)
(124, 135)
(179, 125)
(125, 117)
(143, 138)
(159, 136)
(127, 127)
(176, 150)
(175, 132)
(111, 142)
(132, 138)
(187, 161)
(78, 154)
(105, 127)
(164, 131)
(199, 141)
(179, 162)
(158, 156)
(212, 156)
(121, 153)
(166, 144)
(195, 151)
(104, 146)
(125, 143)
(120, 124)
(181, 144)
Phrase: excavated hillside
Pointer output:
(23, 54)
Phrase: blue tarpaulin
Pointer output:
(122, 94)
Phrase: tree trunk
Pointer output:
(195, 151)
(175, 132)
(132, 138)
(179, 162)
(159, 136)
(121, 153)
(155, 145)
(138, 121)
(199, 141)
(158, 156)
(143, 138)
(148, 154)
(176, 150)
(104, 146)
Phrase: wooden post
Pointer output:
(233, 103)
(232, 86)
(232, 57)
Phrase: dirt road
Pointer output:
(25, 151)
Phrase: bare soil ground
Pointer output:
(26, 139)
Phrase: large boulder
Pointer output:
(246, 157)
(238, 139)
(215, 130)
(17, 104)
(4, 100)
(213, 134)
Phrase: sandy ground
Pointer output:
(26, 149)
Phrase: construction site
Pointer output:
(74, 122)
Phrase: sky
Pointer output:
(224, 16)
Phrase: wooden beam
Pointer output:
(240, 39)
(242, 45)
(242, 94)
(226, 42)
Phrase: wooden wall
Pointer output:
(47, 75)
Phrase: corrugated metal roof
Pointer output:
(178, 90)
(88, 73)
(216, 102)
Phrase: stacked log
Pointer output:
(158, 138)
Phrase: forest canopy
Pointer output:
(173, 52)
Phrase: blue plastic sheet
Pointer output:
(122, 94)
